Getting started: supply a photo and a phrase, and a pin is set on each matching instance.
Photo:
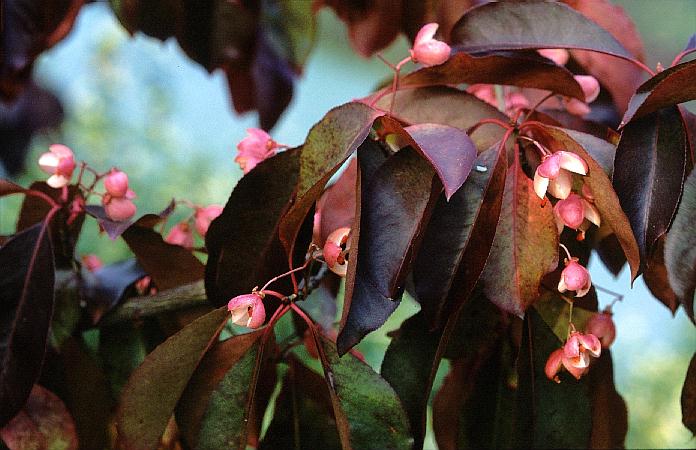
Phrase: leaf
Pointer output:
(649, 170)
(619, 77)
(395, 208)
(303, 416)
(30, 27)
(243, 247)
(656, 278)
(531, 25)
(64, 235)
(458, 239)
(556, 415)
(514, 69)
(447, 106)
(606, 199)
(680, 248)
(688, 397)
(554, 311)
(43, 423)
(169, 265)
(26, 307)
(329, 143)
(154, 388)
(449, 150)
(670, 87)
(106, 287)
(367, 410)
(525, 247)
(112, 228)
(8, 188)
(408, 366)
(215, 410)
(609, 414)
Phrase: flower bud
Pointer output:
(59, 161)
(181, 235)
(116, 183)
(575, 278)
(118, 208)
(602, 326)
(254, 148)
(247, 310)
(204, 216)
(589, 85)
(427, 50)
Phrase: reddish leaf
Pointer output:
(215, 410)
(531, 25)
(449, 150)
(447, 405)
(26, 307)
(329, 143)
(169, 265)
(609, 414)
(63, 235)
(670, 87)
(680, 248)
(612, 256)
(30, 27)
(523, 70)
(336, 207)
(8, 187)
(620, 78)
(395, 208)
(606, 200)
(688, 397)
(657, 279)
(525, 247)
(43, 423)
(649, 170)
(154, 388)
(368, 412)
(243, 246)
(458, 239)
(447, 106)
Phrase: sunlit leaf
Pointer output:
(26, 307)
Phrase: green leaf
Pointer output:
(368, 413)
(514, 69)
(153, 390)
(243, 246)
(680, 248)
(531, 25)
(606, 199)
(329, 143)
(670, 87)
(447, 106)
(525, 247)
(555, 312)
(649, 171)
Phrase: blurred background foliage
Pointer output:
(141, 105)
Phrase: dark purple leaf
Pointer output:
(611, 254)
(525, 247)
(154, 388)
(28, 28)
(688, 397)
(305, 401)
(243, 246)
(680, 248)
(273, 79)
(113, 229)
(531, 25)
(656, 278)
(8, 188)
(169, 265)
(26, 307)
(458, 239)
(609, 414)
(649, 170)
(670, 87)
(328, 145)
(395, 207)
(514, 69)
(447, 106)
(105, 288)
